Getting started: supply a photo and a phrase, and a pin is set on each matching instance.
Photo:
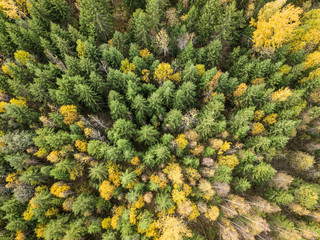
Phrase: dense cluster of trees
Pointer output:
(158, 119)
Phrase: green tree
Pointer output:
(148, 135)
(95, 18)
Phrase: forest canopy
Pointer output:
(158, 119)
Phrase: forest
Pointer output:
(160, 119)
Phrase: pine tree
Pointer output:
(185, 96)
(95, 18)
(210, 15)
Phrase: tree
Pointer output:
(210, 14)
(113, 57)
(173, 228)
(275, 26)
(229, 24)
(148, 135)
(162, 40)
(139, 105)
(141, 27)
(173, 120)
(98, 172)
(117, 107)
(305, 36)
(127, 178)
(185, 96)
(122, 129)
(95, 18)
(84, 204)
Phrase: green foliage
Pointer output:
(95, 18)
(207, 147)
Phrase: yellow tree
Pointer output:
(162, 40)
(172, 228)
(12, 8)
(307, 35)
(275, 26)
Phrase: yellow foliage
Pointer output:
(80, 48)
(59, 189)
(211, 86)
(88, 132)
(164, 72)
(106, 190)
(6, 68)
(81, 145)
(115, 218)
(206, 188)
(69, 113)
(257, 81)
(152, 230)
(178, 196)
(76, 171)
(39, 230)
(213, 213)
(144, 53)
(250, 9)
(307, 35)
(145, 75)
(139, 203)
(187, 189)
(51, 212)
(258, 115)
(133, 216)
(185, 208)
(257, 128)
(312, 59)
(80, 124)
(23, 56)
(194, 213)
(281, 95)
(20, 235)
(315, 96)
(275, 25)
(159, 179)
(298, 209)
(20, 102)
(192, 174)
(285, 69)
(139, 170)
(27, 215)
(67, 204)
(175, 77)
(11, 9)
(270, 119)
(174, 172)
(225, 147)
(135, 161)
(241, 89)
(53, 157)
(181, 141)
(172, 228)
(12, 177)
(229, 160)
(114, 174)
(106, 223)
(302, 161)
(2, 106)
(126, 66)
(201, 69)
(192, 136)
(41, 152)
(162, 41)
(197, 150)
